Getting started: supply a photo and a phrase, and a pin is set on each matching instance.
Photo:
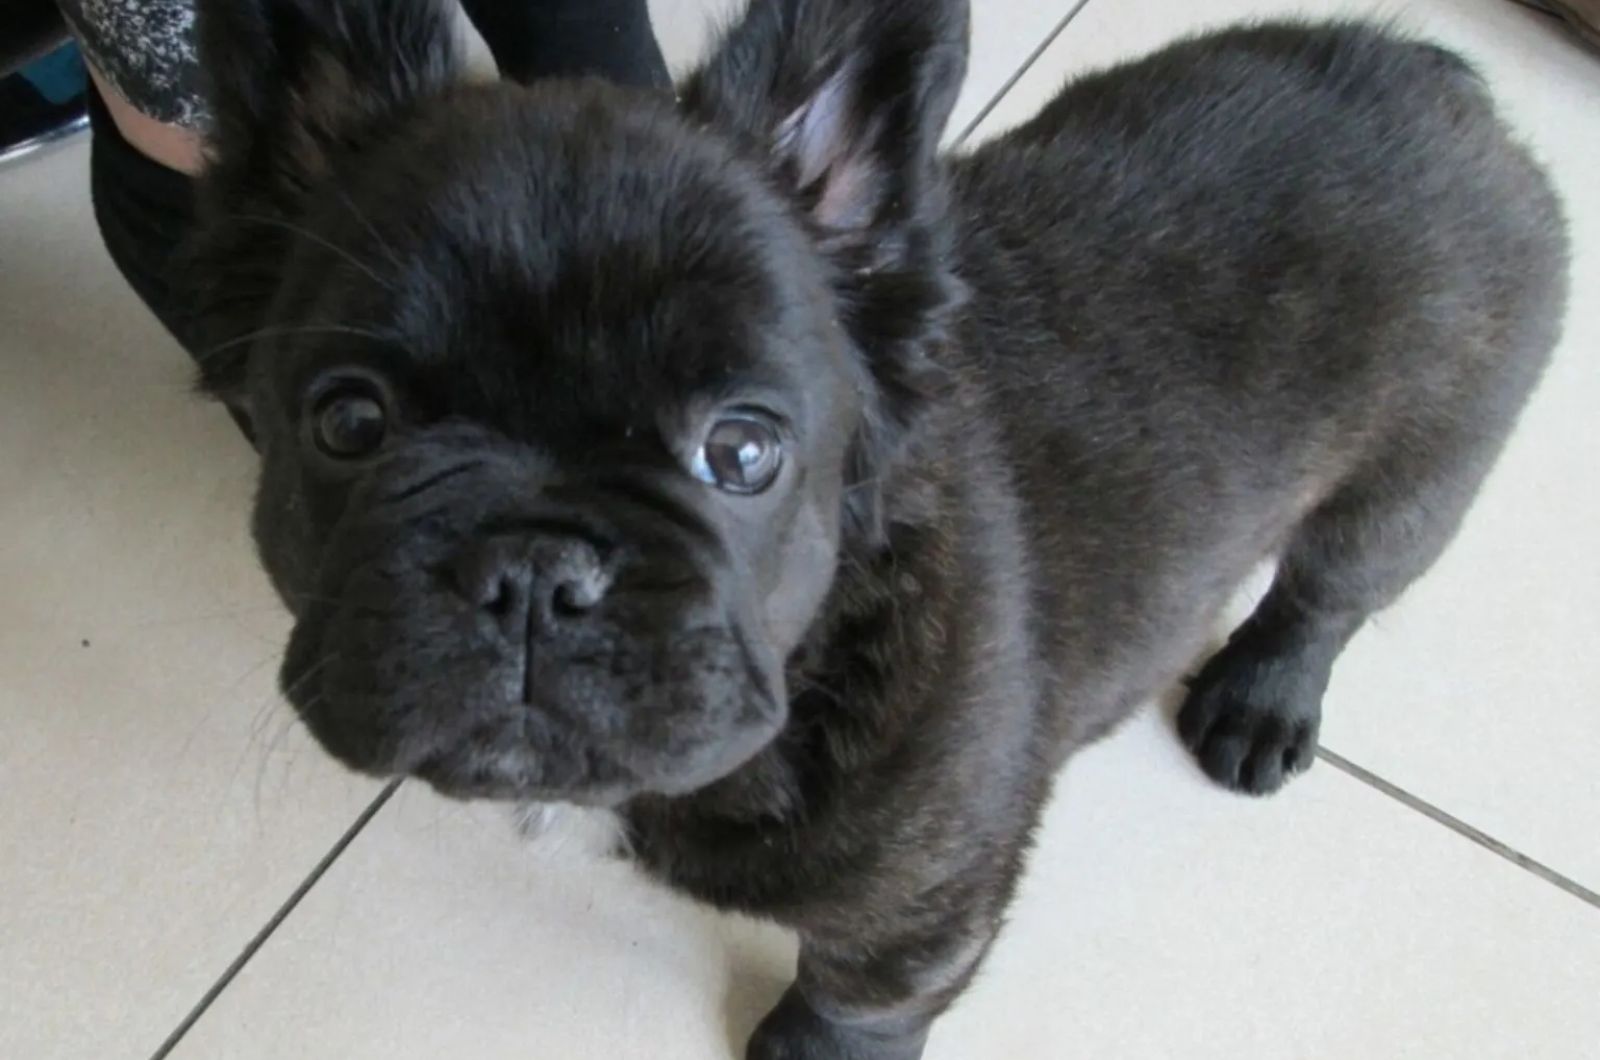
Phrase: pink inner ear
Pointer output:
(826, 149)
(849, 198)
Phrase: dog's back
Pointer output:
(1212, 287)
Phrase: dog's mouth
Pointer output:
(500, 636)
(506, 765)
(597, 722)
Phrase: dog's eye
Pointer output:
(350, 421)
(741, 454)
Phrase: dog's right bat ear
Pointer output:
(293, 83)
(844, 102)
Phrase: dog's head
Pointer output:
(568, 397)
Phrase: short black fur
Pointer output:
(1276, 292)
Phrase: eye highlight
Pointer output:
(742, 454)
(350, 419)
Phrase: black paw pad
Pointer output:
(794, 1031)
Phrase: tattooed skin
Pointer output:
(146, 50)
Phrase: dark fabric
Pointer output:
(145, 49)
(33, 107)
(144, 211)
(28, 29)
(612, 39)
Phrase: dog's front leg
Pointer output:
(869, 999)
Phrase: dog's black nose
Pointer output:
(520, 579)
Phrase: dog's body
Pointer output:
(1276, 292)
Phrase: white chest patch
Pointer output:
(572, 831)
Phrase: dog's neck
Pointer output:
(878, 647)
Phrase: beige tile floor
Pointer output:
(158, 808)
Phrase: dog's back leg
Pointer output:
(1252, 712)
(1445, 383)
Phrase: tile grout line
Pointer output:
(252, 947)
(1339, 762)
(1027, 64)
(1460, 827)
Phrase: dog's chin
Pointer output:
(520, 773)
(590, 727)
(517, 757)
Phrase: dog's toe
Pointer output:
(794, 1031)
(1244, 737)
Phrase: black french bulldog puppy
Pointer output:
(739, 463)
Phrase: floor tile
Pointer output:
(155, 805)
(1166, 919)
(1161, 918)
(441, 932)
(1478, 692)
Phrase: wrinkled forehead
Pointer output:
(572, 253)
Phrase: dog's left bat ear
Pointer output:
(293, 86)
(847, 101)
(294, 83)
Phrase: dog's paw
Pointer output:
(795, 1031)
(1251, 721)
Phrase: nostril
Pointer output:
(569, 603)
(500, 595)
(576, 594)
(515, 580)
(499, 598)
(494, 579)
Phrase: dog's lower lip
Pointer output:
(435, 772)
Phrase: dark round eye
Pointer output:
(350, 421)
(741, 454)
